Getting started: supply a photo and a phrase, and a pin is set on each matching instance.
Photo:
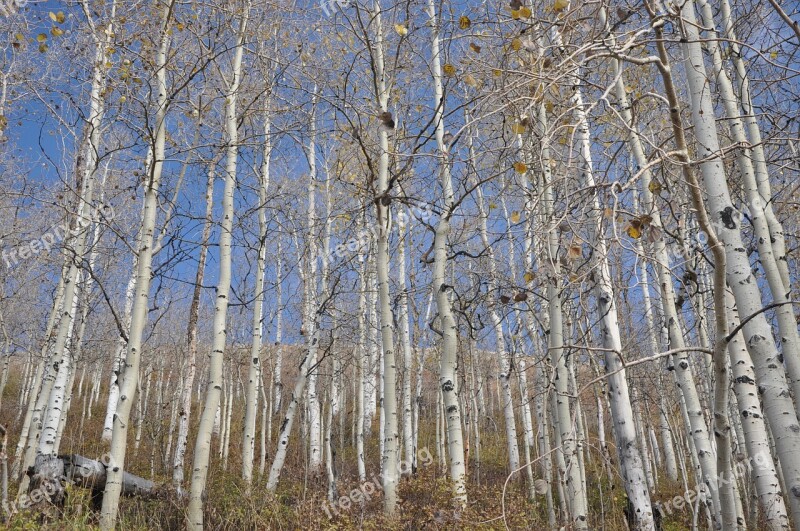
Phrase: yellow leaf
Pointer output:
(449, 70)
(470, 80)
(520, 167)
(515, 216)
(517, 129)
(524, 12)
(773, 55)
(634, 232)
(464, 22)
(56, 32)
(42, 48)
(492, 205)
(560, 5)
(516, 44)
(496, 72)
(654, 187)
(401, 29)
(60, 17)
(515, 14)
(528, 277)
(549, 106)
(180, 26)
(42, 37)
(52, 16)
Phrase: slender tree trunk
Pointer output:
(254, 367)
(130, 373)
(573, 496)
(190, 363)
(778, 404)
(409, 448)
(630, 457)
(448, 369)
(202, 447)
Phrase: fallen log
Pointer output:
(50, 475)
(91, 474)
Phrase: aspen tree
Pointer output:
(778, 406)
(202, 447)
(448, 368)
(130, 375)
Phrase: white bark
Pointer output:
(254, 367)
(190, 363)
(757, 206)
(756, 440)
(632, 466)
(130, 373)
(55, 379)
(409, 448)
(362, 361)
(683, 376)
(503, 358)
(778, 404)
(571, 493)
(202, 447)
(448, 369)
(310, 302)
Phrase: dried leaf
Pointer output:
(520, 167)
(654, 187)
(449, 70)
(560, 5)
(464, 22)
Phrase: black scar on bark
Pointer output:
(727, 217)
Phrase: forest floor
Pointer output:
(301, 498)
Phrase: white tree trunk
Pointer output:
(190, 363)
(405, 343)
(778, 404)
(310, 302)
(574, 496)
(54, 379)
(130, 373)
(448, 369)
(254, 365)
(202, 448)
(756, 440)
(503, 358)
(632, 466)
